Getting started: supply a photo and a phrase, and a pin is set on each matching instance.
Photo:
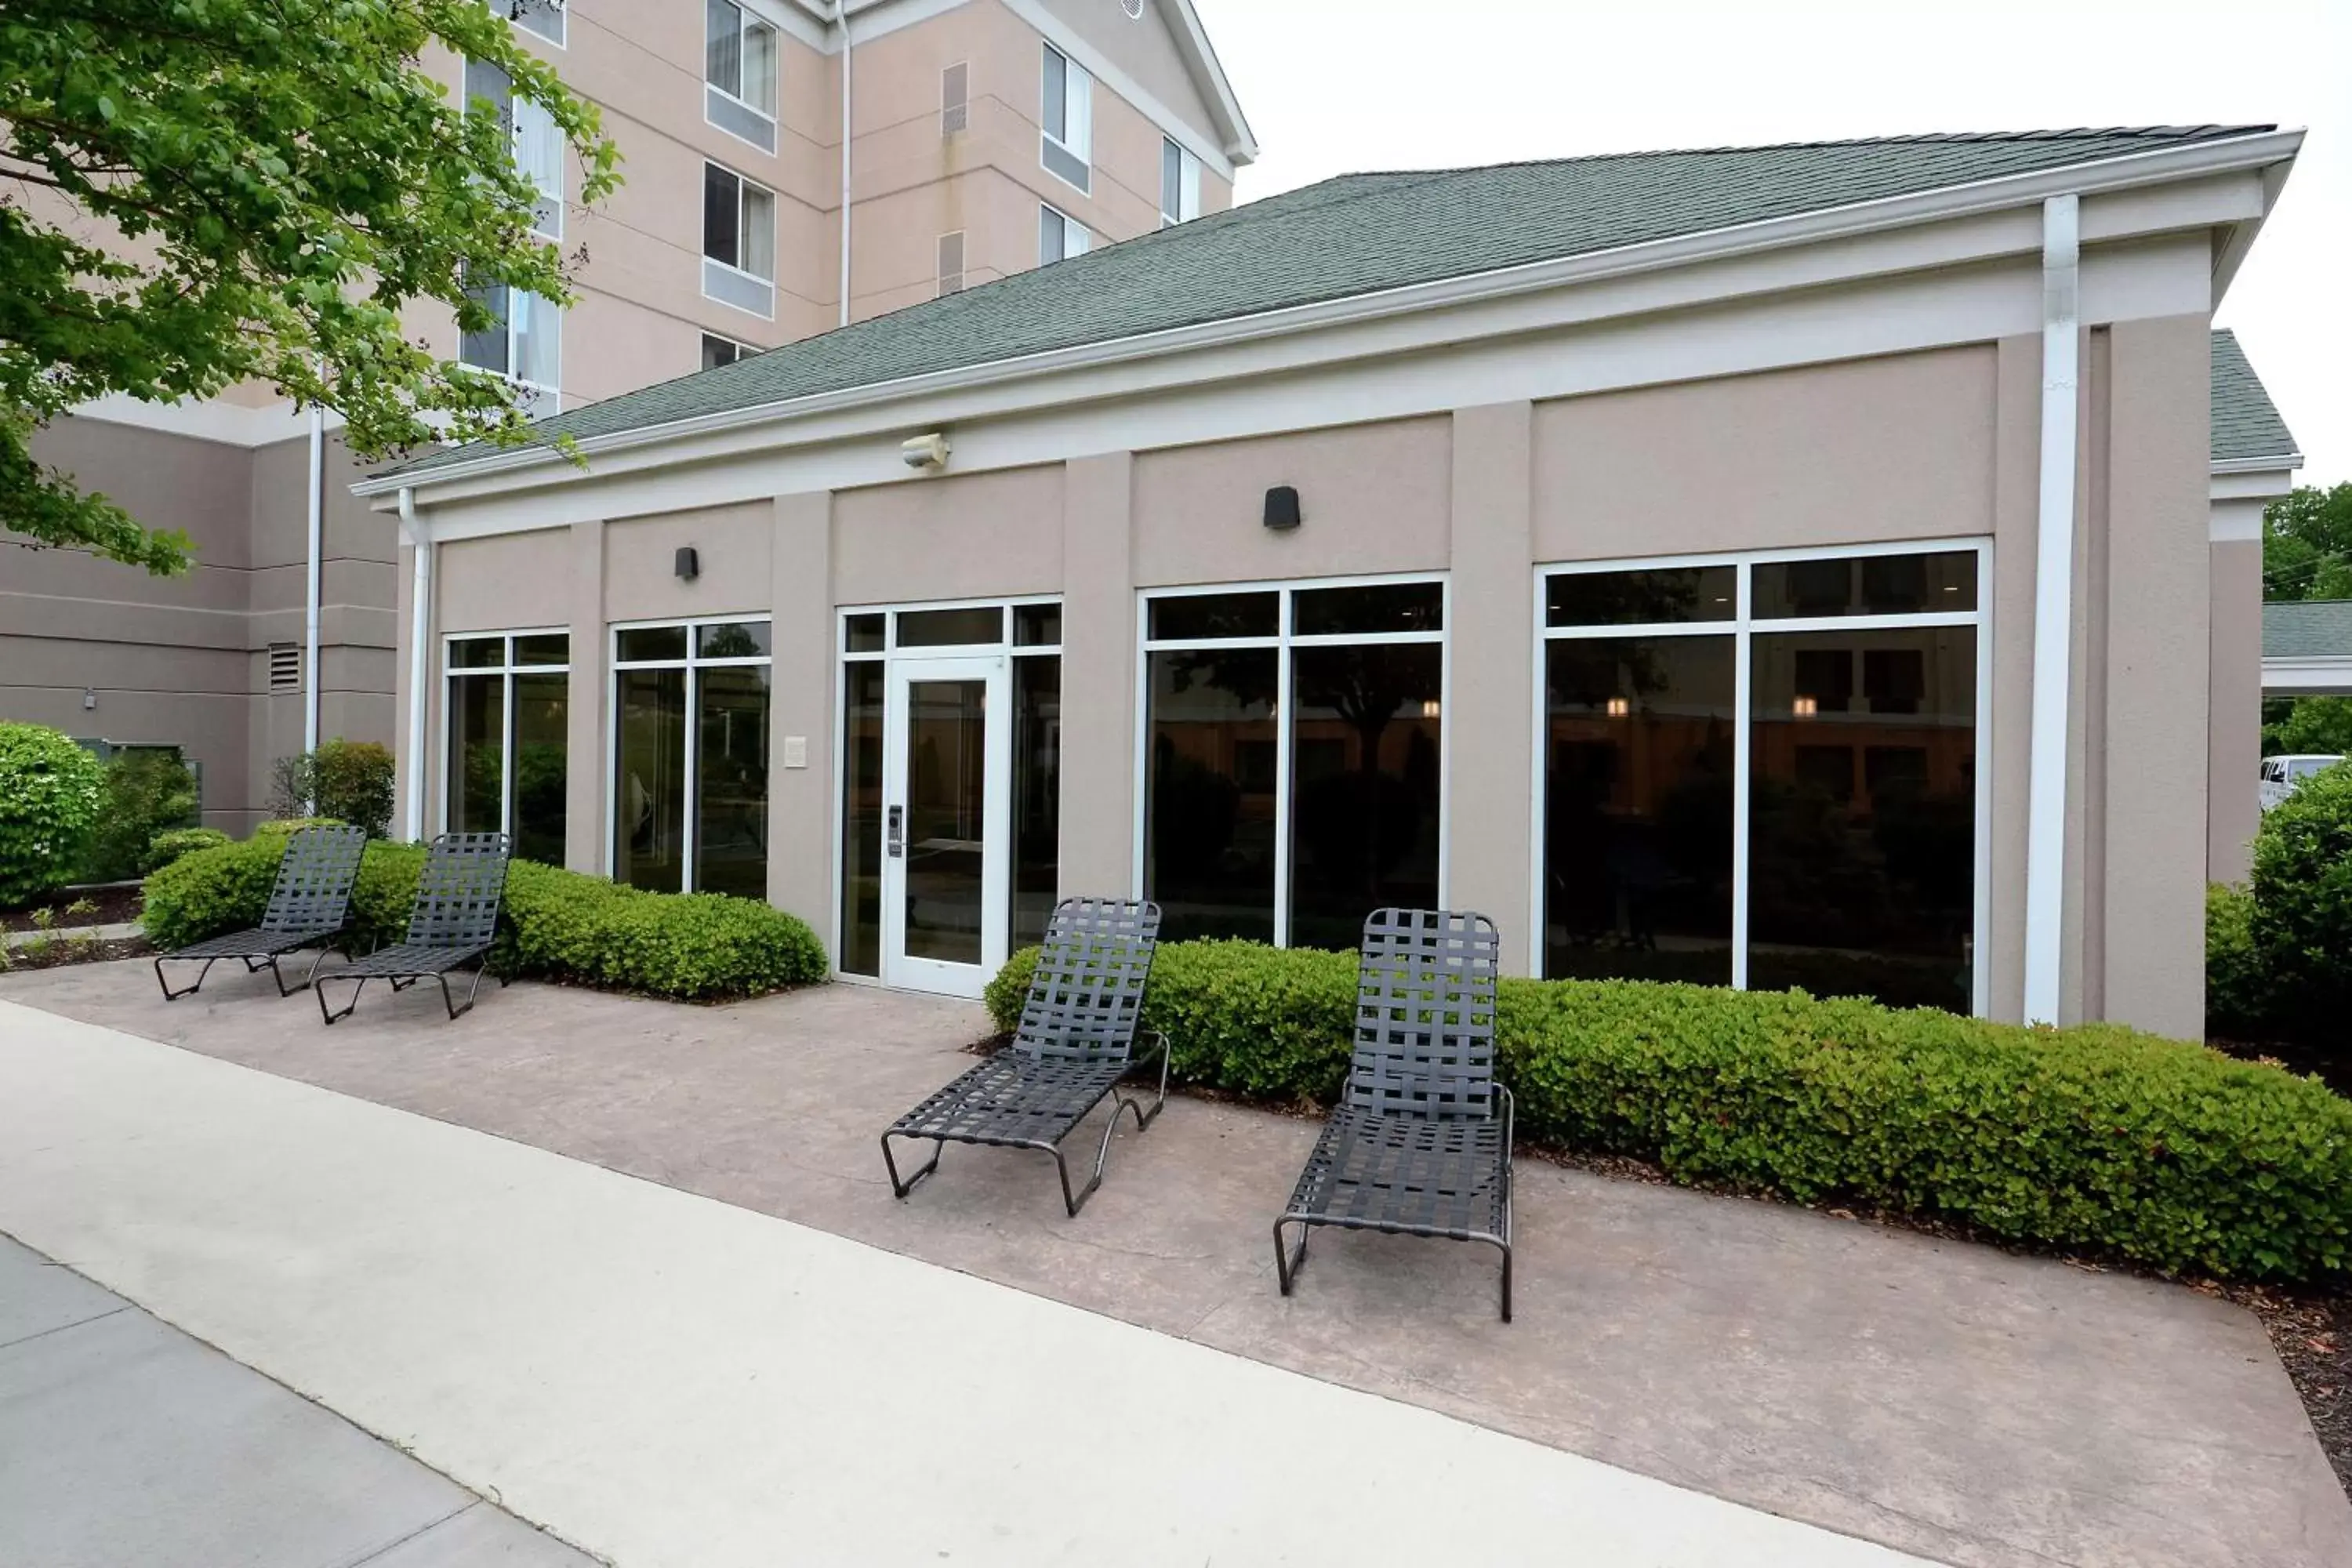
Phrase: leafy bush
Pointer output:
(559, 924)
(148, 792)
(280, 827)
(2236, 992)
(2302, 920)
(349, 781)
(166, 847)
(2096, 1139)
(49, 792)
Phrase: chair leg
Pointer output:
(172, 995)
(476, 990)
(346, 1012)
(1063, 1166)
(277, 975)
(1288, 1263)
(900, 1189)
(311, 978)
(1507, 1279)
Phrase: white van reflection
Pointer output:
(2281, 776)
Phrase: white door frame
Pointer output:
(994, 671)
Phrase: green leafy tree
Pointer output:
(203, 193)
(2308, 543)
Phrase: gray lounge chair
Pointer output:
(1420, 1144)
(452, 923)
(310, 902)
(1074, 1044)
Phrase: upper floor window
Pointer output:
(544, 18)
(739, 241)
(531, 130)
(1059, 235)
(1180, 184)
(1068, 114)
(717, 351)
(525, 343)
(739, 73)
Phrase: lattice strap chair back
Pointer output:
(1088, 993)
(1425, 1015)
(457, 894)
(314, 889)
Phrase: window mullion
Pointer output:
(1285, 718)
(691, 738)
(1742, 744)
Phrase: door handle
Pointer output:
(896, 833)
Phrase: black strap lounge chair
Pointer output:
(1420, 1144)
(1076, 1042)
(309, 904)
(452, 923)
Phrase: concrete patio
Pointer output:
(1946, 1400)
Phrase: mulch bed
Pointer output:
(115, 906)
(59, 952)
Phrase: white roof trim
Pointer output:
(2281, 463)
(1976, 198)
(1208, 76)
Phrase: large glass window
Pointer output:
(739, 241)
(861, 817)
(1068, 115)
(1821, 711)
(690, 757)
(507, 737)
(1294, 759)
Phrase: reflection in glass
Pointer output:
(950, 628)
(1209, 818)
(477, 743)
(650, 642)
(547, 647)
(1200, 616)
(1637, 841)
(861, 819)
(863, 633)
(730, 824)
(1037, 625)
(649, 767)
(1370, 607)
(1364, 800)
(946, 797)
(1862, 865)
(477, 653)
(1037, 794)
(1867, 586)
(1658, 596)
(734, 639)
(542, 705)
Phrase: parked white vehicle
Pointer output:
(2282, 775)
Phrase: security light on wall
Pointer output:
(1621, 707)
(1282, 513)
(689, 565)
(925, 453)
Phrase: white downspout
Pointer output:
(2054, 610)
(311, 600)
(419, 665)
(841, 13)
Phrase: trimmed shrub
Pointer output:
(349, 781)
(2301, 921)
(49, 794)
(280, 827)
(2094, 1138)
(147, 792)
(560, 925)
(2237, 995)
(166, 847)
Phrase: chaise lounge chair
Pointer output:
(1420, 1145)
(1076, 1042)
(453, 921)
(310, 902)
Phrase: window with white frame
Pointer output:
(523, 342)
(739, 73)
(739, 241)
(689, 780)
(717, 351)
(532, 133)
(544, 18)
(1180, 184)
(506, 738)
(1066, 148)
(1294, 757)
(1059, 235)
(1764, 770)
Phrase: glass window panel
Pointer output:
(1201, 616)
(1049, 236)
(758, 233)
(1037, 794)
(542, 706)
(652, 642)
(759, 89)
(1055, 110)
(734, 639)
(539, 153)
(722, 31)
(1171, 182)
(863, 633)
(537, 329)
(722, 215)
(1862, 815)
(649, 788)
(1364, 793)
(946, 812)
(1209, 818)
(488, 83)
(487, 349)
(1372, 607)
(861, 818)
(1037, 625)
(950, 628)
(1662, 595)
(1867, 585)
(717, 351)
(544, 647)
(1638, 737)
(478, 742)
(544, 18)
(477, 653)
(731, 821)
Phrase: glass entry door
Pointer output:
(947, 807)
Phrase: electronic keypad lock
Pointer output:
(896, 832)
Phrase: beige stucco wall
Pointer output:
(956, 537)
(2234, 808)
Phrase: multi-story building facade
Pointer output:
(791, 165)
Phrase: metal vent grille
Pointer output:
(285, 667)
(955, 99)
(951, 262)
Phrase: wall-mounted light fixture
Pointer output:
(689, 564)
(1806, 707)
(88, 698)
(925, 454)
(1431, 707)
(1621, 707)
(1282, 508)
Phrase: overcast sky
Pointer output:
(1332, 86)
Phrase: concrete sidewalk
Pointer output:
(663, 1379)
(123, 1441)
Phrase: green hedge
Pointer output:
(2096, 1139)
(50, 795)
(560, 925)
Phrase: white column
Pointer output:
(2054, 597)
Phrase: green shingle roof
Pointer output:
(1358, 234)
(2308, 628)
(2246, 424)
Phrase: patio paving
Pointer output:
(1950, 1400)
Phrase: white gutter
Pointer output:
(419, 665)
(841, 11)
(2054, 609)
(310, 590)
